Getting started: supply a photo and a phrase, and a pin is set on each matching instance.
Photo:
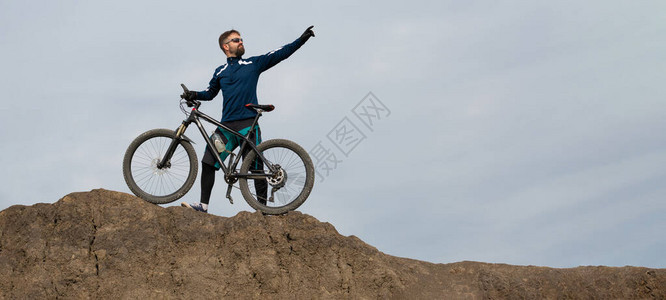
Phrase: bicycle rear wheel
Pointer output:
(159, 185)
(292, 184)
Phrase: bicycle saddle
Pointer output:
(267, 107)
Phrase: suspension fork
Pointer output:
(166, 160)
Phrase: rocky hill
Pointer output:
(105, 244)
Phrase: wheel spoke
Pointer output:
(149, 181)
(291, 183)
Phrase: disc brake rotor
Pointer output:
(156, 170)
(279, 179)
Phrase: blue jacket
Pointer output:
(238, 81)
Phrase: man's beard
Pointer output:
(239, 51)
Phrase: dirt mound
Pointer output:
(105, 244)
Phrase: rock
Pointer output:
(105, 244)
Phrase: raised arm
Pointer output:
(272, 58)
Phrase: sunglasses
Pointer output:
(236, 40)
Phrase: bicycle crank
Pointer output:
(231, 200)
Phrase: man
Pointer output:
(238, 81)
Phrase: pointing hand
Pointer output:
(307, 34)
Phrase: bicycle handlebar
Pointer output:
(190, 103)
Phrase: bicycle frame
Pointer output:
(229, 171)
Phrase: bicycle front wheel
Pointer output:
(151, 183)
(290, 186)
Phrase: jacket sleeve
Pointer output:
(212, 90)
(272, 58)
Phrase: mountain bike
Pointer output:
(160, 165)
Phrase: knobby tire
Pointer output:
(159, 186)
(300, 176)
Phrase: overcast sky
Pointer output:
(517, 132)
